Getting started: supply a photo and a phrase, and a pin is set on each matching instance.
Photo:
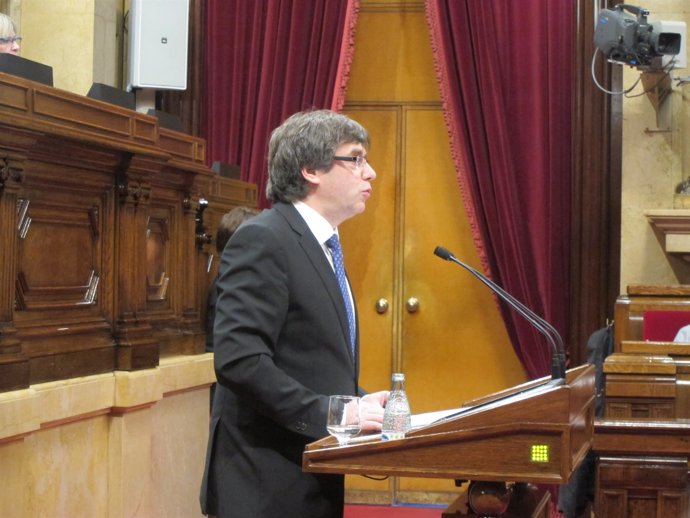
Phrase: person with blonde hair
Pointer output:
(9, 41)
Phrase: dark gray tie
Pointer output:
(339, 266)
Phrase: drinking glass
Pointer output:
(343, 418)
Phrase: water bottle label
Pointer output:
(392, 436)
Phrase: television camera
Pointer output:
(631, 40)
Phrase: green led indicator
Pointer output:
(540, 453)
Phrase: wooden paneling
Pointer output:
(640, 386)
(99, 215)
(393, 47)
(647, 378)
(642, 444)
(597, 133)
(642, 468)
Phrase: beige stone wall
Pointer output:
(80, 39)
(121, 444)
(60, 34)
(656, 149)
(108, 42)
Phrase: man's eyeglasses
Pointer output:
(11, 39)
(358, 160)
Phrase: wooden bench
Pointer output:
(641, 446)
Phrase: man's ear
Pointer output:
(310, 176)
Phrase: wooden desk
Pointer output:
(643, 444)
(100, 210)
(630, 308)
(640, 385)
(642, 468)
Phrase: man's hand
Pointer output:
(371, 410)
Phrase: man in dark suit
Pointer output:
(283, 340)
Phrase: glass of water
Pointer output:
(343, 418)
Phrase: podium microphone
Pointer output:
(541, 325)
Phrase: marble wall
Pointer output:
(656, 151)
(122, 444)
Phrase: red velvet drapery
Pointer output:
(266, 61)
(505, 73)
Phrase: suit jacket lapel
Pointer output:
(318, 259)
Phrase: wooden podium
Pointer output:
(536, 432)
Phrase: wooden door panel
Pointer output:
(369, 247)
(392, 55)
(457, 334)
(455, 346)
(370, 258)
(159, 260)
(60, 313)
(67, 229)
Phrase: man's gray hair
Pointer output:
(7, 26)
(307, 140)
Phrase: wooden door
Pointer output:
(454, 347)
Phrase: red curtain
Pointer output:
(266, 60)
(505, 74)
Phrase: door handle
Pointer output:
(412, 305)
(381, 306)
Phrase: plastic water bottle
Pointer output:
(396, 416)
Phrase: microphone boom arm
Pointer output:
(544, 327)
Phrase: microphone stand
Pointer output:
(544, 327)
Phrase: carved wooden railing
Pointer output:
(641, 444)
(101, 268)
(642, 468)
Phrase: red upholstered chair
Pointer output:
(662, 326)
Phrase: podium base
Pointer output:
(527, 501)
